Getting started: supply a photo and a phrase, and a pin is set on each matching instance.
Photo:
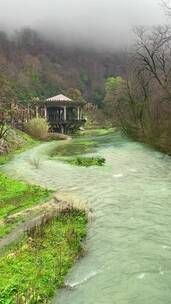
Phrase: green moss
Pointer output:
(87, 161)
(16, 196)
(33, 269)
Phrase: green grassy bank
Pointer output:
(34, 268)
(16, 196)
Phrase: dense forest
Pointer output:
(33, 66)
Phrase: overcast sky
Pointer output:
(97, 22)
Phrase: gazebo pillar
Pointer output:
(28, 112)
(78, 113)
(37, 112)
(45, 111)
(65, 113)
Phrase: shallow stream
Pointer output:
(128, 258)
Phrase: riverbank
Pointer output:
(18, 141)
(33, 267)
(15, 195)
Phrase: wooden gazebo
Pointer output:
(62, 113)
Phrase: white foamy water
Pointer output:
(77, 283)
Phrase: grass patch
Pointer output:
(16, 196)
(33, 269)
(37, 128)
(87, 161)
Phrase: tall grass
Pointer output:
(38, 128)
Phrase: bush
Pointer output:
(87, 161)
(37, 128)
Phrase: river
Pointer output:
(128, 258)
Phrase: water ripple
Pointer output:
(129, 237)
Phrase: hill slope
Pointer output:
(32, 66)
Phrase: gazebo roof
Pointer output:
(59, 98)
(62, 100)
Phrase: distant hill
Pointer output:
(31, 66)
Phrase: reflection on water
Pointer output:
(129, 238)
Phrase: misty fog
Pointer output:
(100, 23)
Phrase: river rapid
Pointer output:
(128, 258)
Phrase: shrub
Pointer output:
(87, 161)
(37, 128)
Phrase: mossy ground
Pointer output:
(33, 269)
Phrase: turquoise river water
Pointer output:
(128, 258)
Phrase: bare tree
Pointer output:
(166, 5)
(153, 55)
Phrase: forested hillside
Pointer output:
(140, 103)
(32, 66)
